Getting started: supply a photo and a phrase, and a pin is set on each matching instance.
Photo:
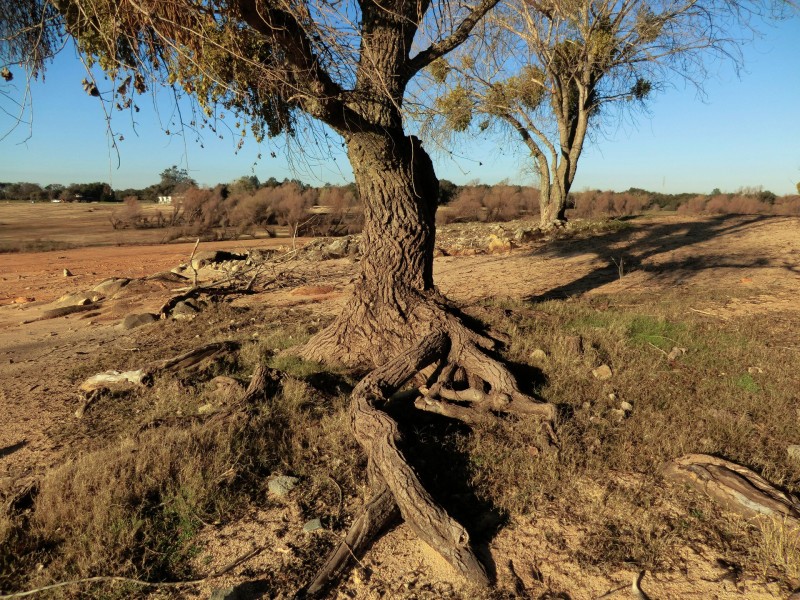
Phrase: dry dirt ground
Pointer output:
(734, 265)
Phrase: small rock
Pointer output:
(137, 320)
(676, 352)
(603, 372)
(522, 234)
(312, 525)
(281, 485)
(67, 273)
(612, 396)
(586, 405)
(183, 310)
(794, 452)
(109, 287)
(618, 414)
(538, 355)
(206, 409)
(22, 300)
(228, 593)
(79, 299)
(497, 245)
(626, 406)
(755, 370)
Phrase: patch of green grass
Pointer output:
(296, 366)
(644, 329)
(747, 383)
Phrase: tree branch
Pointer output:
(455, 39)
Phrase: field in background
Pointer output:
(26, 227)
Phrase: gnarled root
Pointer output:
(451, 348)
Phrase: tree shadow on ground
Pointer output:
(632, 248)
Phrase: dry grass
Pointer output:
(155, 471)
(777, 548)
(154, 474)
(606, 480)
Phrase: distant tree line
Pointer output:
(504, 202)
(248, 203)
(75, 192)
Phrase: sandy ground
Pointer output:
(736, 265)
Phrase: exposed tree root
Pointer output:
(449, 352)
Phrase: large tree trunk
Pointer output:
(396, 181)
(553, 207)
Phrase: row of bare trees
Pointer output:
(506, 202)
(330, 211)
(336, 210)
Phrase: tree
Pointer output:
(91, 192)
(447, 191)
(245, 184)
(348, 66)
(175, 181)
(575, 61)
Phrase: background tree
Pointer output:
(244, 184)
(560, 69)
(174, 181)
(348, 66)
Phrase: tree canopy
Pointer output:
(557, 69)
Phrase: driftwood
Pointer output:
(737, 488)
(63, 312)
(208, 288)
(95, 385)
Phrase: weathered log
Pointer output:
(92, 387)
(63, 312)
(737, 488)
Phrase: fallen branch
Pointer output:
(708, 314)
(736, 487)
(92, 388)
(196, 290)
(63, 312)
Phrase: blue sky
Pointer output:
(745, 131)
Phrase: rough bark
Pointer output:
(553, 208)
(397, 322)
(398, 186)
